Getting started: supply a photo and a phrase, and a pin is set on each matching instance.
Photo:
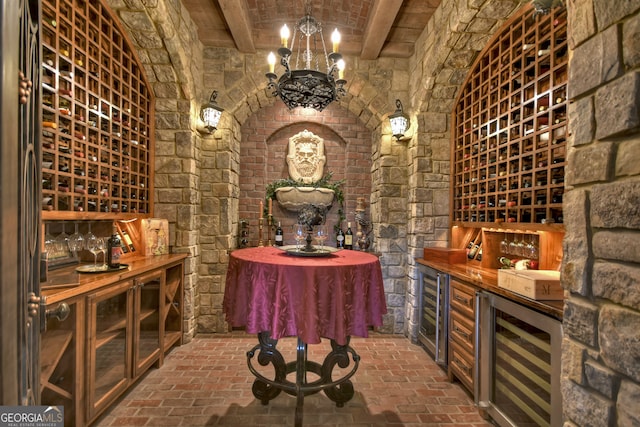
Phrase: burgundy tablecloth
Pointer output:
(332, 297)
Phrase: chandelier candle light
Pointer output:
(307, 87)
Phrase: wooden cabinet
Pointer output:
(462, 333)
(61, 356)
(122, 323)
(97, 146)
(509, 139)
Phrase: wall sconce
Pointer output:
(399, 121)
(211, 113)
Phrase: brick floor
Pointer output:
(207, 383)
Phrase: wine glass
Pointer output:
(532, 248)
(299, 234)
(62, 240)
(76, 241)
(513, 246)
(522, 247)
(102, 246)
(504, 245)
(321, 235)
(91, 243)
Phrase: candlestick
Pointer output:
(269, 225)
(260, 221)
(270, 203)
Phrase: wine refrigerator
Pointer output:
(518, 363)
(434, 303)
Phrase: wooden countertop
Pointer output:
(487, 279)
(67, 283)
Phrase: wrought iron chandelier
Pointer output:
(308, 86)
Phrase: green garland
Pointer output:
(324, 182)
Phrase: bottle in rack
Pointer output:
(476, 246)
(114, 249)
(348, 237)
(279, 238)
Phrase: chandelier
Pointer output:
(306, 85)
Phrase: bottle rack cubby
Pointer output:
(509, 135)
(96, 116)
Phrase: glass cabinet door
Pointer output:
(61, 359)
(147, 321)
(109, 345)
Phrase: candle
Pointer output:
(341, 67)
(270, 202)
(284, 35)
(335, 38)
(261, 209)
(272, 62)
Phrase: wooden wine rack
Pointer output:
(97, 115)
(509, 135)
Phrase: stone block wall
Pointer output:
(601, 264)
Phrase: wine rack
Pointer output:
(509, 146)
(97, 149)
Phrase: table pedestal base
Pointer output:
(339, 391)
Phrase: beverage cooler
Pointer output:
(434, 290)
(519, 363)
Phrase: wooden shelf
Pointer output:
(54, 345)
(509, 136)
(97, 149)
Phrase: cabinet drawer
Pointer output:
(463, 299)
(461, 364)
(463, 331)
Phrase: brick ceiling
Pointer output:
(369, 28)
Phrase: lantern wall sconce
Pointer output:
(210, 113)
(399, 122)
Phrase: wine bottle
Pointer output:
(279, 235)
(340, 238)
(114, 249)
(128, 240)
(348, 237)
(476, 246)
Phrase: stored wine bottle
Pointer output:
(128, 240)
(348, 237)
(279, 235)
(114, 249)
(340, 238)
(476, 246)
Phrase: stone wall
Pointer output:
(167, 44)
(601, 264)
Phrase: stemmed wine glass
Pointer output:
(62, 240)
(532, 248)
(513, 246)
(102, 246)
(504, 245)
(299, 234)
(321, 235)
(91, 243)
(76, 242)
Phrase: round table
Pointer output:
(275, 294)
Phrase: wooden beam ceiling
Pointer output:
(237, 16)
(381, 18)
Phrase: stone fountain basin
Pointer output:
(295, 198)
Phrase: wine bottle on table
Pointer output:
(340, 238)
(279, 235)
(114, 249)
(348, 237)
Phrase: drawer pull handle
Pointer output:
(461, 332)
(463, 300)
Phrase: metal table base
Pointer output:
(265, 389)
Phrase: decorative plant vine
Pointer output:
(324, 182)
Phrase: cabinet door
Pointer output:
(146, 333)
(172, 307)
(61, 361)
(110, 352)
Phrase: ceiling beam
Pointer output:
(237, 17)
(383, 13)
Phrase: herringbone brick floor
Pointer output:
(207, 383)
